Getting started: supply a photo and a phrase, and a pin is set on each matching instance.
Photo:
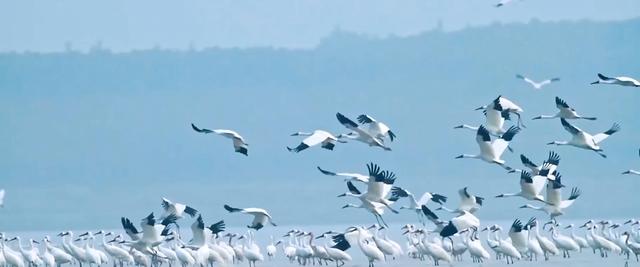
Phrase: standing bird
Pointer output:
(491, 151)
(634, 172)
(359, 133)
(324, 138)
(260, 216)
(239, 144)
(584, 140)
(176, 209)
(537, 85)
(566, 112)
(376, 128)
(620, 80)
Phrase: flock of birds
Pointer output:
(158, 240)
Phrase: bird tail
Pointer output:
(231, 209)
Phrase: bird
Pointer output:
(459, 223)
(537, 85)
(152, 234)
(555, 205)
(239, 143)
(519, 235)
(260, 216)
(566, 112)
(324, 138)
(177, 209)
(530, 187)
(359, 133)
(620, 80)
(551, 164)
(468, 202)
(491, 151)
(375, 208)
(495, 116)
(584, 140)
(2, 198)
(349, 176)
(634, 172)
(503, 104)
(502, 3)
(376, 128)
(416, 205)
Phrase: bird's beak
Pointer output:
(345, 206)
(550, 143)
(480, 108)
(342, 195)
(34, 241)
(108, 234)
(84, 234)
(567, 227)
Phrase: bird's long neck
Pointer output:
(548, 117)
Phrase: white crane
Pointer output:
(620, 80)
(376, 128)
(260, 216)
(519, 235)
(369, 249)
(176, 209)
(416, 205)
(12, 258)
(582, 242)
(633, 172)
(565, 111)
(152, 234)
(348, 175)
(359, 133)
(547, 246)
(325, 139)
(563, 242)
(537, 85)
(60, 256)
(468, 202)
(505, 105)
(375, 208)
(549, 172)
(495, 116)
(337, 254)
(505, 247)
(530, 187)
(584, 140)
(239, 143)
(457, 224)
(555, 205)
(491, 151)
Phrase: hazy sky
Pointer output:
(77, 156)
(124, 25)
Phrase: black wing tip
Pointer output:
(363, 118)
(441, 199)
(352, 188)
(191, 211)
(614, 128)
(428, 212)
(511, 132)
(243, 151)
(231, 209)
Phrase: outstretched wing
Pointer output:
(353, 189)
(356, 176)
(499, 145)
(203, 130)
(561, 104)
(570, 128)
(363, 119)
(601, 136)
(527, 162)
